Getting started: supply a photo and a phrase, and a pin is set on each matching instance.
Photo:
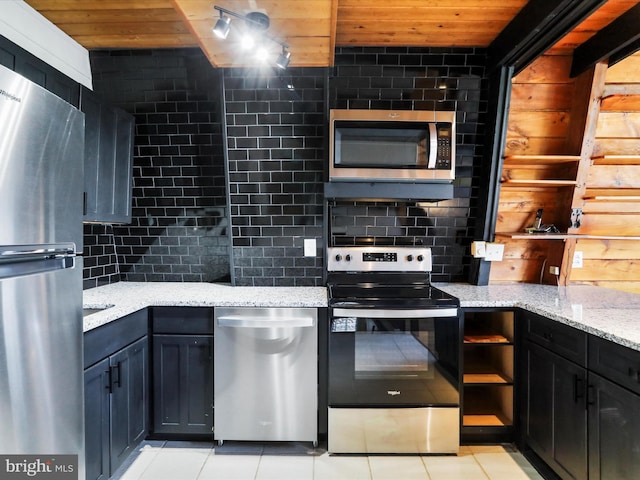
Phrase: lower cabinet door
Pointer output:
(183, 384)
(129, 378)
(96, 414)
(614, 431)
(555, 410)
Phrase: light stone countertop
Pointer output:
(607, 313)
(124, 298)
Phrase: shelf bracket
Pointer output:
(576, 217)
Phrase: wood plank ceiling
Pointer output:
(312, 28)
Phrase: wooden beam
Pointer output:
(537, 27)
(615, 37)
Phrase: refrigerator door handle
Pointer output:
(16, 253)
(20, 260)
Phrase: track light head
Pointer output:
(222, 27)
(283, 59)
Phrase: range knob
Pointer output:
(420, 258)
(409, 258)
(347, 258)
(338, 257)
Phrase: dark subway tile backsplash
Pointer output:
(274, 132)
(179, 226)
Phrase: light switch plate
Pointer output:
(309, 247)
(495, 252)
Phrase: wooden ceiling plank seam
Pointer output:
(109, 16)
(616, 36)
(412, 4)
(416, 15)
(79, 5)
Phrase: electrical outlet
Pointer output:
(495, 252)
(554, 271)
(577, 259)
(478, 249)
(309, 247)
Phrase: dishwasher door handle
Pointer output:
(239, 321)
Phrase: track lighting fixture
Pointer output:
(222, 27)
(257, 22)
(283, 59)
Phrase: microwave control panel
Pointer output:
(443, 155)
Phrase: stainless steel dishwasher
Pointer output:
(266, 374)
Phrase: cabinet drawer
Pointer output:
(564, 340)
(615, 362)
(183, 320)
(103, 341)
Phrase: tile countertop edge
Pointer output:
(606, 313)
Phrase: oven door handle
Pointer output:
(384, 313)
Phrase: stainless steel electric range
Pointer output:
(394, 354)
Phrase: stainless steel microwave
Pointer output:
(384, 145)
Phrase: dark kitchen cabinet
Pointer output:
(115, 408)
(182, 371)
(555, 414)
(488, 375)
(96, 417)
(614, 431)
(614, 402)
(580, 402)
(116, 382)
(108, 165)
(553, 395)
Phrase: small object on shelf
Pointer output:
(538, 227)
(538, 221)
(551, 228)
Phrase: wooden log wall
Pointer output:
(542, 156)
(539, 115)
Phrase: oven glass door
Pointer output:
(394, 358)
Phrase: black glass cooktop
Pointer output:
(391, 291)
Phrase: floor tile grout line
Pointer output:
(486, 474)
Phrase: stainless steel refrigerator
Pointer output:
(41, 197)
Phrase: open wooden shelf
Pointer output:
(540, 159)
(488, 369)
(485, 420)
(484, 338)
(485, 378)
(561, 236)
(488, 405)
(616, 160)
(538, 183)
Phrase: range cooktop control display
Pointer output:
(379, 257)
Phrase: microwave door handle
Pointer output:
(433, 146)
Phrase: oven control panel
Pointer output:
(379, 259)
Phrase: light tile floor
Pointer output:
(158, 460)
